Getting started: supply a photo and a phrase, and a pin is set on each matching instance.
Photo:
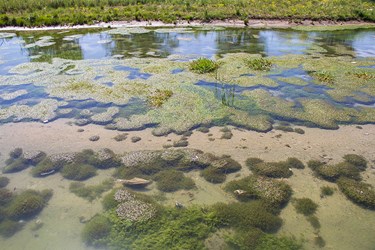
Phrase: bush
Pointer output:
(203, 65)
(78, 172)
(358, 161)
(96, 230)
(4, 181)
(172, 180)
(358, 192)
(305, 206)
(259, 64)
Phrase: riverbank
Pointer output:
(253, 23)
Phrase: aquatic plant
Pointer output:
(293, 162)
(333, 172)
(284, 128)
(121, 137)
(324, 77)
(270, 241)
(314, 221)
(326, 191)
(180, 143)
(358, 192)
(109, 201)
(305, 206)
(26, 205)
(92, 192)
(274, 192)
(4, 181)
(5, 196)
(135, 139)
(261, 64)
(203, 129)
(203, 65)
(242, 215)
(219, 168)
(8, 228)
(105, 158)
(96, 231)
(319, 241)
(15, 165)
(213, 175)
(357, 160)
(159, 97)
(45, 168)
(172, 180)
(299, 131)
(78, 172)
(253, 161)
(314, 164)
(16, 153)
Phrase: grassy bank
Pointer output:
(73, 12)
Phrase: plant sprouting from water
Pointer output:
(261, 64)
(203, 65)
(324, 77)
(159, 97)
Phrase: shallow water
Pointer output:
(106, 82)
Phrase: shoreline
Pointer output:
(252, 23)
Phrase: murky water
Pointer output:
(104, 82)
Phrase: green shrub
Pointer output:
(96, 231)
(203, 65)
(4, 181)
(358, 192)
(358, 161)
(262, 64)
(78, 172)
(305, 206)
(172, 180)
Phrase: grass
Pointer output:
(203, 65)
(54, 12)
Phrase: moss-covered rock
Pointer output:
(78, 172)
(358, 192)
(172, 180)
(96, 230)
(106, 158)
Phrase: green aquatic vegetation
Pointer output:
(319, 241)
(324, 77)
(293, 162)
(242, 215)
(284, 128)
(26, 205)
(109, 201)
(159, 97)
(180, 143)
(358, 192)
(272, 169)
(364, 75)
(219, 168)
(213, 175)
(8, 228)
(45, 168)
(314, 164)
(253, 161)
(305, 206)
(96, 230)
(274, 192)
(78, 172)
(105, 158)
(260, 123)
(333, 172)
(15, 165)
(332, 27)
(314, 221)
(16, 153)
(357, 160)
(227, 135)
(172, 180)
(4, 181)
(5, 196)
(270, 241)
(92, 192)
(299, 131)
(326, 191)
(261, 64)
(203, 65)
(244, 239)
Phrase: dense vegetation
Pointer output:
(54, 12)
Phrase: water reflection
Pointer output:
(90, 44)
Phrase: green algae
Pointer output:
(332, 27)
